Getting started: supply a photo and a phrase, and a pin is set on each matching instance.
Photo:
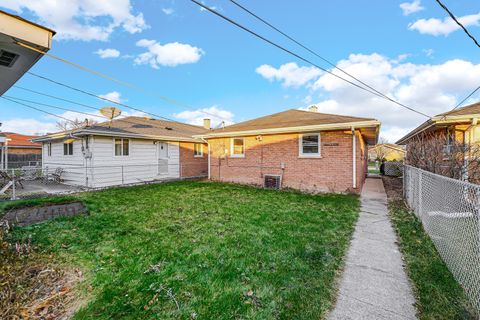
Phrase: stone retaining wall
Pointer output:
(30, 215)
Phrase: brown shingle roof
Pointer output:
(136, 126)
(470, 109)
(149, 126)
(288, 119)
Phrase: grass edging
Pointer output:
(438, 294)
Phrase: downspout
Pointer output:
(354, 156)
(208, 155)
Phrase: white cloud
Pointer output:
(438, 27)
(214, 113)
(107, 53)
(168, 11)
(82, 19)
(290, 74)
(28, 126)
(114, 96)
(428, 52)
(169, 54)
(411, 7)
(429, 88)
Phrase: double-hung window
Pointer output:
(49, 149)
(122, 147)
(67, 148)
(237, 148)
(309, 145)
(198, 150)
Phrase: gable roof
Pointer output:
(464, 114)
(135, 127)
(293, 120)
(20, 140)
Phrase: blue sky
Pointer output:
(406, 49)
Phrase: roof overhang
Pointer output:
(85, 132)
(370, 129)
(438, 121)
(15, 30)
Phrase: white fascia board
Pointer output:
(322, 127)
(114, 134)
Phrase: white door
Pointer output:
(162, 158)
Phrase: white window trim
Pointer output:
(232, 155)
(121, 150)
(300, 146)
(201, 150)
(67, 155)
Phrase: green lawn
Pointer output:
(202, 250)
(438, 295)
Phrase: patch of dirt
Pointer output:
(393, 187)
(33, 288)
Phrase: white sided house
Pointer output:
(125, 151)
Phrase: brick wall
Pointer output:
(330, 173)
(191, 166)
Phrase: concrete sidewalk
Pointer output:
(374, 284)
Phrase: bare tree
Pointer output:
(437, 153)
(75, 124)
(380, 150)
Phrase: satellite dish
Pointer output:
(110, 113)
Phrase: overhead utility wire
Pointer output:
(71, 110)
(38, 109)
(97, 96)
(458, 22)
(302, 58)
(123, 83)
(305, 47)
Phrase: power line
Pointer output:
(123, 83)
(303, 59)
(305, 47)
(38, 109)
(99, 97)
(458, 22)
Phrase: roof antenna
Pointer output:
(110, 113)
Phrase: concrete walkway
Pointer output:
(374, 284)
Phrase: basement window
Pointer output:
(309, 145)
(7, 59)
(272, 181)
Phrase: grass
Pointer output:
(202, 250)
(7, 205)
(438, 295)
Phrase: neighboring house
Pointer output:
(16, 58)
(124, 151)
(387, 151)
(18, 150)
(459, 125)
(297, 149)
(447, 144)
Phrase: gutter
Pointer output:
(322, 127)
(208, 155)
(113, 134)
(354, 153)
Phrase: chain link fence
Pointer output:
(393, 168)
(34, 182)
(449, 210)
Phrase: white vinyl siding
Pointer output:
(309, 145)
(237, 147)
(73, 165)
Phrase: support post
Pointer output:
(354, 156)
(420, 195)
(14, 195)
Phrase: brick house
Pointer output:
(304, 150)
(18, 150)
